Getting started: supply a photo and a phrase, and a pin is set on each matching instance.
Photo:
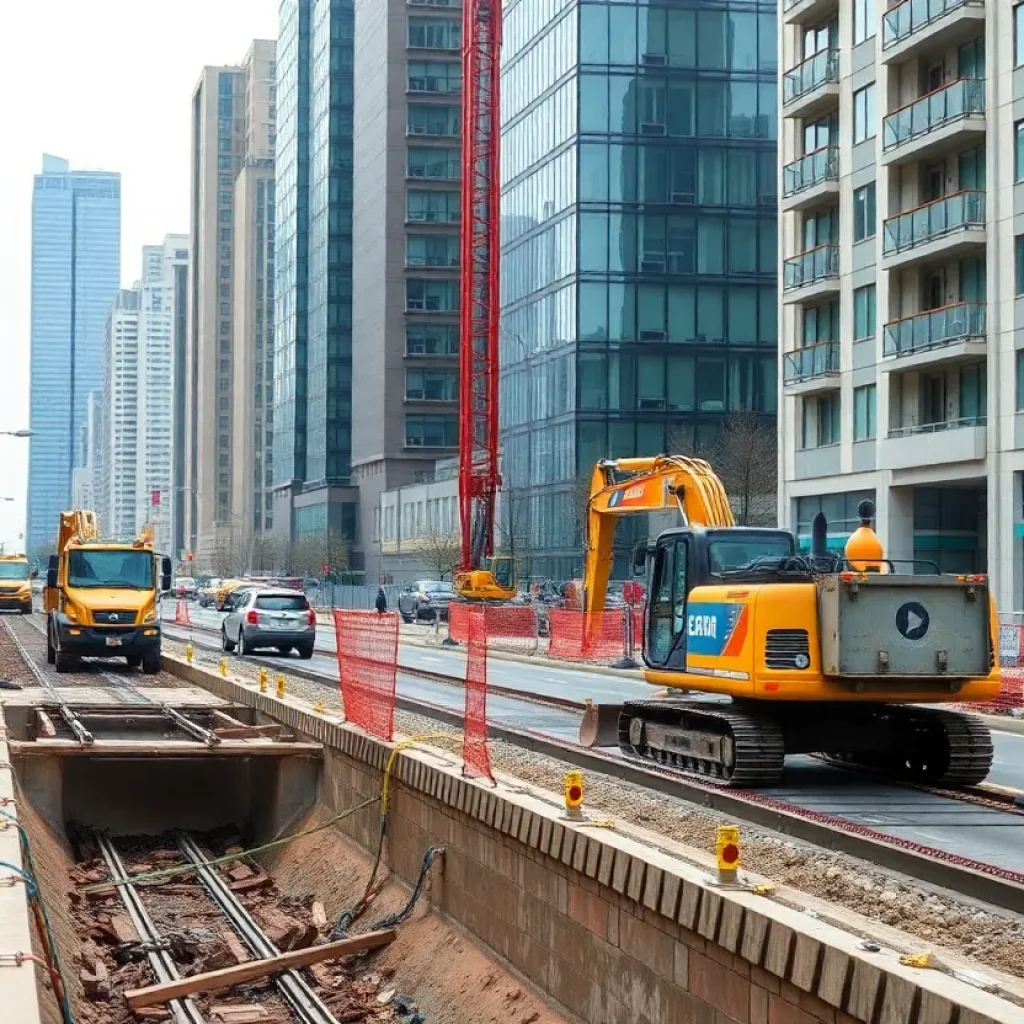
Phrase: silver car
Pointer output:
(269, 617)
(425, 599)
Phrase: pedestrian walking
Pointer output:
(381, 602)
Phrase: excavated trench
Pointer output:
(70, 806)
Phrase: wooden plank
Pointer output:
(255, 969)
(162, 748)
(225, 719)
(46, 726)
(245, 732)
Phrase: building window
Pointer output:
(432, 296)
(1018, 35)
(864, 113)
(864, 312)
(432, 251)
(821, 421)
(431, 340)
(1020, 379)
(1018, 243)
(864, 412)
(431, 385)
(441, 164)
(431, 431)
(863, 20)
(435, 33)
(1018, 151)
(864, 212)
(433, 207)
(427, 119)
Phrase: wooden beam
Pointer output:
(162, 748)
(240, 974)
(245, 732)
(46, 726)
(224, 719)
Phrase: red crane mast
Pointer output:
(479, 478)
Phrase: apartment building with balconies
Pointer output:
(902, 277)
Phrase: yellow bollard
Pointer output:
(264, 676)
(727, 854)
(282, 686)
(189, 652)
(574, 796)
(224, 667)
(319, 707)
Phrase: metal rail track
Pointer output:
(296, 991)
(990, 883)
(184, 1011)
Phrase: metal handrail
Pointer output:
(811, 169)
(811, 265)
(819, 69)
(820, 359)
(933, 109)
(911, 16)
(932, 220)
(939, 427)
(934, 328)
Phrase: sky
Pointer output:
(108, 85)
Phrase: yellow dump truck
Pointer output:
(101, 597)
(15, 584)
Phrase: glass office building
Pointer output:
(313, 360)
(638, 242)
(76, 274)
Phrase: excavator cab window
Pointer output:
(504, 571)
(666, 623)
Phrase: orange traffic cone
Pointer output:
(181, 614)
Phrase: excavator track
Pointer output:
(719, 744)
(940, 747)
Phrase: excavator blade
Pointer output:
(600, 725)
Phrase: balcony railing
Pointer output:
(933, 110)
(903, 20)
(933, 220)
(818, 360)
(813, 265)
(942, 425)
(810, 170)
(935, 328)
(814, 72)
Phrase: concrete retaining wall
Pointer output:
(610, 929)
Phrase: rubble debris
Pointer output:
(96, 981)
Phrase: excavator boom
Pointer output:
(621, 487)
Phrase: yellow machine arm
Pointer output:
(621, 487)
(77, 525)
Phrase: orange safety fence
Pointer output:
(367, 645)
(588, 636)
(511, 628)
(475, 756)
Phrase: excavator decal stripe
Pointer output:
(738, 637)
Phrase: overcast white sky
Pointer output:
(106, 84)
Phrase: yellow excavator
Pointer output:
(788, 652)
(101, 596)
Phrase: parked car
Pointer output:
(265, 617)
(185, 588)
(425, 599)
(208, 593)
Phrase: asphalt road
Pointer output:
(990, 836)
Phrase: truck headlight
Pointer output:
(71, 612)
(150, 616)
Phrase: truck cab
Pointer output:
(101, 598)
(16, 584)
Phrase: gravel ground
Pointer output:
(991, 937)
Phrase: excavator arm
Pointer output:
(622, 487)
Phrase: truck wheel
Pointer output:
(27, 610)
(151, 663)
(134, 660)
(51, 654)
(64, 662)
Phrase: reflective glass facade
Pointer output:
(76, 270)
(313, 357)
(638, 242)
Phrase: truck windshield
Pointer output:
(116, 568)
(13, 570)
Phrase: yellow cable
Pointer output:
(385, 792)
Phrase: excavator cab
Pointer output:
(495, 583)
(691, 557)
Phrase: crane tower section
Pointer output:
(478, 349)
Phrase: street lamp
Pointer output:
(17, 433)
(7, 499)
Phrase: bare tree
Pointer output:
(513, 525)
(263, 553)
(441, 551)
(320, 555)
(744, 455)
